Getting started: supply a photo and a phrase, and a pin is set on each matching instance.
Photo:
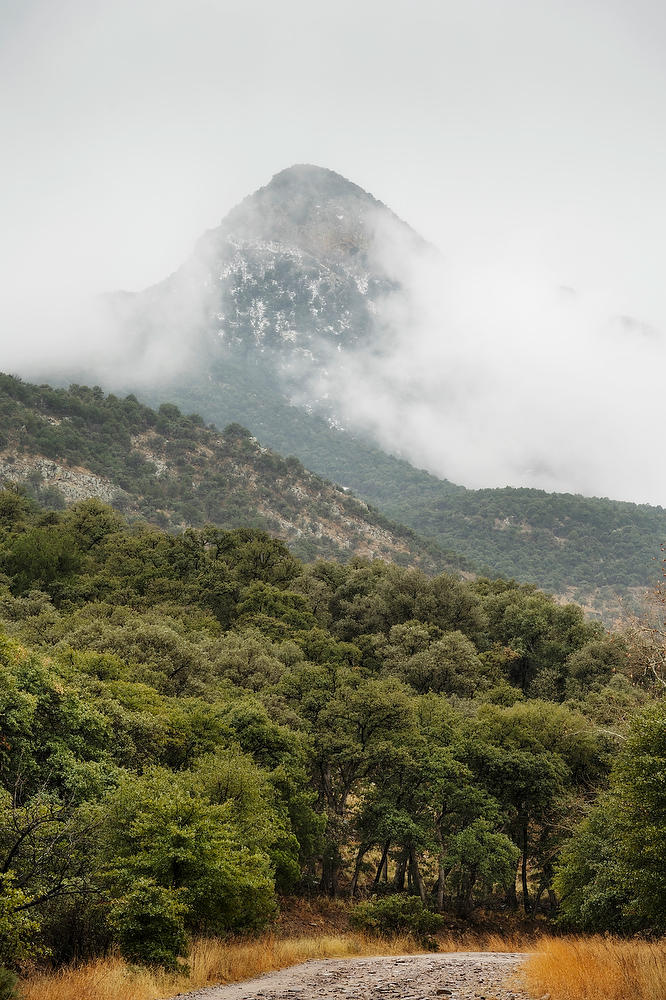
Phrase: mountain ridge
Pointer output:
(173, 471)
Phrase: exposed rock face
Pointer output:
(313, 208)
(72, 483)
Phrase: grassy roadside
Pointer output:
(213, 961)
(597, 968)
(568, 968)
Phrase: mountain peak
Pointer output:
(308, 178)
(310, 208)
(299, 268)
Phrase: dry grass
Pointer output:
(597, 968)
(592, 968)
(216, 961)
(211, 961)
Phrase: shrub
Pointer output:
(8, 981)
(149, 925)
(163, 830)
(17, 929)
(398, 914)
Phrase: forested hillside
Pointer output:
(591, 549)
(176, 472)
(192, 723)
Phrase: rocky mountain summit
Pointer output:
(318, 210)
(300, 265)
(293, 275)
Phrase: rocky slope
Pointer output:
(177, 472)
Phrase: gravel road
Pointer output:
(461, 975)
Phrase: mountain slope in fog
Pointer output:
(293, 283)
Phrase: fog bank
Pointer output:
(489, 374)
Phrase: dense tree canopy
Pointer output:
(612, 875)
(190, 724)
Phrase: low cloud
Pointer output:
(491, 374)
(120, 340)
(486, 372)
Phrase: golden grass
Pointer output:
(597, 968)
(214, 961)
(593, 968)
(211, 961)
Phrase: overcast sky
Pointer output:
(502, 130)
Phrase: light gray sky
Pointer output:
(526, 131)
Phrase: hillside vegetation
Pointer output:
(590, 549)
(176, 472)
(192, 723)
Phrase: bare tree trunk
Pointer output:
(335, 871)
(380, 868)
(537, 900)
(400, 872)
(511, 894)
(464, 905)
(441, 877)
(441, 874)
(362, 851)
(526, 896)
(414, 868)
(330, 869)
(325, 880)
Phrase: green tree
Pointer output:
(537, 759)
(639, 787)
(18, 927)
(449, 665)
(612, 875)
(542, 633)
(149, 923)
(162, 827)
(591, 880)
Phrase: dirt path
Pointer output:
(461, 975)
